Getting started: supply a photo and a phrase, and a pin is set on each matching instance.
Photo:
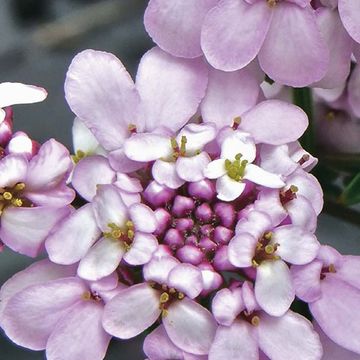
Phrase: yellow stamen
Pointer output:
(269, 249)
(86, 295)
(164, 298)
(255, 320)
(332, 268)
(254, 263)
(7, 195)
(19, 186)
(164, 313)
(17, 202)
(294, 189)
(268, 235)
(180, 295)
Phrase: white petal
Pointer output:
(238, 143)
(215, 169)
(262, 177)
(165, 174)
(191, 169)
(142, 248)
(229, 189)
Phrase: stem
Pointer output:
(302, 97)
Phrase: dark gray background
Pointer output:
(27, 55)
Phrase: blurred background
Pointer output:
(38, 39)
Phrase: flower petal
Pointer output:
(354, 91)
(13, 169)
(80, 332)
(191, 169)
(158, 269)
(229, 189)
(142, 249)
(143, 218)
(132, 311)
(215, 169)
(349, 11)
(269, 122)
(262, 177)
(241, 250)
(190, 326)
(349, 271)
(120, 162)
(298, 31)
(274, 290)
(230, 44)
(170, 88)
(165, 174)
(238, 143)
(102, 94)
(302, 342)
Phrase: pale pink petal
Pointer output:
(159, 268)
(190, 326)
(340, 48)
(120, 162)
(18, 93)
(241, 250)
(101, 260)
(31, 315)
(143, 218)
(109, 207)
(129, 198)
(90, 172)
(262, 177)
(170, 88)
(296, 245)
(165, 174)
(228, 96)
(102, 94)
(274, 290)
(13, 169)
(79, 334)
(230, 44)
(60, 195)
(142, 249)
(176, 26)
(192, 168)
(227, 305)
(238, 143)
(229, 189)
(349, 271)
(158, 346)
(354, 91)
(73, 237)
(248, 296)
(256, 223)
(337, 313)
(132, 311)
(25, 229)
(127, 183)
(49, 167)
(282, 56)
(306, 279)
(349, 11)
(187, 279)
(274, 122)
(215, 169)
(302, 342)
(148, 147)
(37, 273)
(235, 342)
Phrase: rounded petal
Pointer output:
(170, 88)
(101, 260)
(25, 229)
(83, 139)
(165, 174)
(354, 90)
(142, 249)
(102, 94)
(302, 342)
(349, 270)
(120, 162)
(186, 278)
(262, 177)
(298, 31)
(228, 96)
(256, 223)
(215, 169)
(337, 313)
(80, 332)
(241, 250)
(235, 342)
(18, 93)
(143, 218)
(128, 184)
(31, 315)
(176, 26)
(132, 311)
(238, 143)
(13, 169)
(190, 326)
(274, 122)
(230, 44)
(274, 289)
(191, 169)
(73, 237)
(229, 189)
(158, 269)
(90, 172)
(349, 11)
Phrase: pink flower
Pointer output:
(330, 284)
(34, 196)
(46, 307)
(245, 330)
(169, 293)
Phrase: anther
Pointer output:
(268, 235)
(236, 122)
(180, 295)
(332, 268)
(16, 202)
(255, 321)
(7, 195)
(19, 186)
(269, 249)
(164, 298)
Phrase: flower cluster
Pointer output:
(196, 211)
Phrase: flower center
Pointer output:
(125, 234)
(236, 169)
(167, 297)
(327, 269)
(11, 196)
(288, 195)
(91, 295)
(178, 150)
(265, 250)
(250, 317)
(272, 3)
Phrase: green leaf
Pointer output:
(351, 193)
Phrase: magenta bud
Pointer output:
(222, 235)
(174, 238)
(226, 213)
(191, 240)
(204, 212)
(182, 205)
(207, 244)
(163, 220)
(190, 254)
(158, 195)
(184, 224)
(207, 230)
(221, 261)
(203, 189)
